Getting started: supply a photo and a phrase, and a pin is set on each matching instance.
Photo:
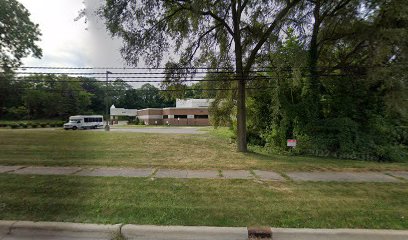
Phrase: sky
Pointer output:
(69, 43)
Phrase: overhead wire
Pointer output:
(192, 68)
(146, 90)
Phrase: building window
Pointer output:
(165, 116)
(180, 116)
(201, 116)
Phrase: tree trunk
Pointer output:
(314, 88)
(241, 108)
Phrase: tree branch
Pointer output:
(200, 38)
(219, 19)
(335, 9)
(164, 19)
(187, 6)
(244, 4)
(267, 33)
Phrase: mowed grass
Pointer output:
(203, 151)
(204, 202)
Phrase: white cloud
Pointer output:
(70, 43)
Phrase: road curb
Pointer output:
(337, 234)
(63, 230)
(149, 232)
(56, 230)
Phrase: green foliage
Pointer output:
(55, 97)
(147, 96)
(18, 35)
(353, 104)
(198, 31)
(133, 121)
(19, 112)
(61, 96)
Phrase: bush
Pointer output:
(43, 125)
(133, 121)
(34, 125)
(59, 123)
(23, 125)
(17, 112)
(14, 125)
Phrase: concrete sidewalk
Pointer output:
(24, 230)
(398, 176)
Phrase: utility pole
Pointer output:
(107, 127)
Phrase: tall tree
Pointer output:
(199, 30)
(18, 37)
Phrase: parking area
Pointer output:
(163, 130)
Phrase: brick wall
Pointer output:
(168, 116)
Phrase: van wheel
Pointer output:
(74, 128)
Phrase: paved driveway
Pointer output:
(165, 130)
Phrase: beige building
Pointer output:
(190, 112)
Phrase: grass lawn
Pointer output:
(201, 151)
(204, 202)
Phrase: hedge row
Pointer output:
(32, 124)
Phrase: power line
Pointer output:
(194, 68)
(138, 81)
(192, 79)
(124, 68)
(144, 90)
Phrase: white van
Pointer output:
(84, 122)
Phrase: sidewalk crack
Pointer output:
(10, 171)
(9, 230)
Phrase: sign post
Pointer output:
(291, 143)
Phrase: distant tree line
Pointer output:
(60, 96)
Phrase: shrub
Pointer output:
(60, 123)
(23, 125)
(43, 125)
(17, 112)
(34, 125)
(14, 125)
(133, 121)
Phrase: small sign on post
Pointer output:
(291, 143)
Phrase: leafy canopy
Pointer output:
(18, 35)
(198, 31)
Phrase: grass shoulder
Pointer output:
(174, 151)
(204, 202)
